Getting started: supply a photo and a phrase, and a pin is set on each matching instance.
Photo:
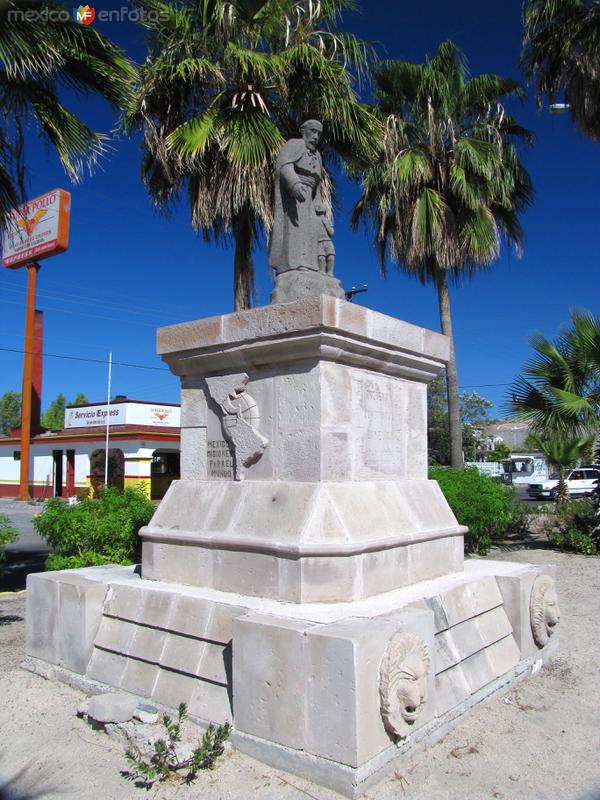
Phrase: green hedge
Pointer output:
(8, 534)
(95, 531)
(479, 502)
(575, 527)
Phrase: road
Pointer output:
(522, 495)
(29, 552)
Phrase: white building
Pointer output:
(143, 449)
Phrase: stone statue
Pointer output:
(302, 252)
(296, 224)
(403, 683)
(326, 251)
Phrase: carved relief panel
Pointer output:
(234, 441)
(403, 677)
(544, 609)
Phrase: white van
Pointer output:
(525, 468)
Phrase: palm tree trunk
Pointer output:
(243, 265)
(562, 493)
(454, 420)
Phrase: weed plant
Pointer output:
(166, 765)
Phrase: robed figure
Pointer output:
(297, 236)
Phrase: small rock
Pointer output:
(184, 751)
(140, 739)
(118, 732)
(82, 708)
(111, 707)
(146, 713)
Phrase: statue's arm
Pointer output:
(291, 184)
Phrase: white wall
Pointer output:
(10, 469)
(42, 466)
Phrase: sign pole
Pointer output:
(24, 493)
(107, 422)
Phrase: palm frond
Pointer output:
(192, 137)
(252, 140)
(560, 51)
(479, 237)
(559, 390)
(478, 155)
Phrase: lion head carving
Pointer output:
(544, 609)
(403, 682)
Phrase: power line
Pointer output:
(61, 295)
(165, 369)
(53, 340)
(90, 316)
(483, 385)
(89, 360)
(78, 299)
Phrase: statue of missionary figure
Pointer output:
(302, 226)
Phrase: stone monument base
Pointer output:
(304, 683)
(297, 284)
(302, 542)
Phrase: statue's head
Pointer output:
(403, 682)
(311, 132)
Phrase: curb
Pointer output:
(13, 594)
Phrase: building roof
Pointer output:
(117, 433)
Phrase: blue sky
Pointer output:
(129, 270)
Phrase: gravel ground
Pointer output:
(544, 745)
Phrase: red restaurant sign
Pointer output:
(37, 229)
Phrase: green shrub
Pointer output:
(95, 531)
(7, 534)
(477, 501)
(88, 558)
(522, 515)
(574, 541)
(574, 527)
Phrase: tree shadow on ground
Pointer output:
(20, 787)
(8, 619)
(523, 542)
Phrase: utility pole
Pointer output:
(32, 270)
(37, 229)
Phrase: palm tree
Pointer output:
(39, 54)
(559, 390)
(560, 51)
(223, 86)
(448, 185)
(562, 452)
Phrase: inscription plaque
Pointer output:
(219, 459)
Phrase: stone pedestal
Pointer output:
(304, 579)
(295, 284)
(305, 456)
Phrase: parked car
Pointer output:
(580, 481)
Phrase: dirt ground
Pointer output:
(543, 745)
